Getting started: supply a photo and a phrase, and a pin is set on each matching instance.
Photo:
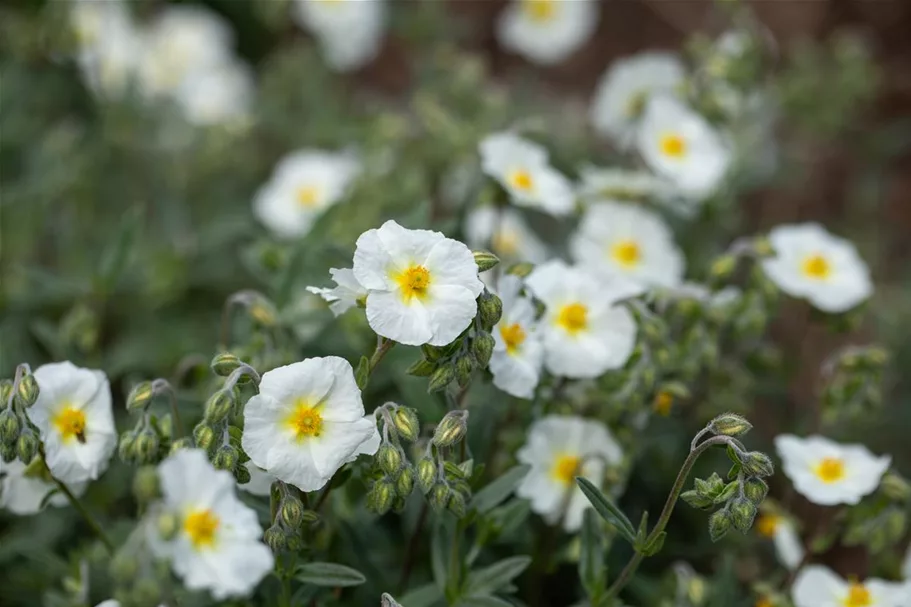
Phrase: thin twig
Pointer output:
(75, 503)
(412, 547)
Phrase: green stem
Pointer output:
(381, 349)
(455, 566)
(627, 573)
(75, 503)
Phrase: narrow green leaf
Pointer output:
(493, 494)
(592, 571)
(329, 574)
(655, 546)
(607, 509)
(438, 556)
(483, 601)
(728, 492)
(362, 374)
(492, 578)
(424, 596)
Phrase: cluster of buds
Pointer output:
(18, 437)
(393, 474)
(289, 518)
(853, 382)
(443, 482)
(150, 440)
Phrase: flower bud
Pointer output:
(456, 504)
(719, 524)
(431, 353)
(145, 447)
(451, 429)
(275, 538)
(28, 390)
(404, 484)
(181, 443)
(521, 269)
(723, 266)
(440, 378)
(9, 427)
(427, 474)
(406, 423)
(755, 490)
(763, 247)
(140, 396)
(262, 311)
(730, 424)
(219, 406)
(292, 512)
(895, 487)
(383, 495)
(146, 484)
(167, 526)
(241, 475)
(421, 368)
(125, 448)
(27, 446)
(757, 464)
(482, 348)
(463, 370)
(146, 591)
(123, 567)
(8, 452)
(490, 309)
(743, 511)
(485, 260)
(225, 458)
(225, 364)
(6, 390)
(204, 436)
(389, 459)
(439, 497)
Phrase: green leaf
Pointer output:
(492, 578)
(695, 500)
(607, 509)
(728, 492)
(592, 571)
(362, 374)
(329, 574)
(482, 601)
(438, 555)
(494, 493)
(424, 596)
(655, 546)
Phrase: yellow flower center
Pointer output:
(765, 602)
(830, 469)
(858, 596)
(566, 468)
(663, 403)
(521, 180)
(540, 10)
(505, 242)
(673, 145)
(307, 196)
(513, 335)
(305, 420)
(627, 253)
(70, 422)
(767, 525)
(573, 317)
(413, 282)
(636, 104)
(201, 526)
(816, 266)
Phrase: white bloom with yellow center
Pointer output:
(518, 352)
(547, 31)
(811, 263)
(350, 32)
(828, 473)
(505, 233)
(421, 286)
(560, 448)
(781, 530)
(629, 241)
(597, 184)
(307, 422)
(624, 91)
(585, 333)
(345, 294)
(216, 544)
(74, 416)
(23, 488)
(304, 184)
(818, 586)
(220, 95)
(523, 169)
(681, 146)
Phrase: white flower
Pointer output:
(518, 352)
(217, 544)
(818, 586)
(828, 473)
(219, 95)
(560, 448)
(303, 185)
(92, 21)
(308, 421)
(522, 168)
(906, 566)
(811, 263)
(624, 91)
(547, 31)
(22, 489)
(109, 46)
(505, 233)
(585, 334)
(350, 32)
(74, 416)
(680, 146)
(598, 183)
(260, 481)
(783, 533)
(421, 286)
(629, 241)
(345, 294)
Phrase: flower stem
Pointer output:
(382, 347)
(412, 547)
(75, 503)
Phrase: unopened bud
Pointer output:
(146, 484)
(219, 406)
(181, 443)
(427, 474)
(125, 448)
(8, 452)
(441, 378)
(896, 487)
(27, 446)
(9, 428)
(463, 370)
(275, 538)
(225, 364)
(719, 524)
(292, 512)
(757, 464)
(451, 429)
(204, 436)
(406, 423)
(145, 448)
(140, 396)
(755, 490)
(490, 309)
(723, 266)
(521, 269)
(485, 260)
(404, 484)
(389, 459)
(421, 368)
(383, 495)
(762, 247)
(482, 348)
(6, 390)
(730, 424)
(439, 497)
(123, 567)
(743, 511)
(146, 591)
(28, 390)
(167, 526)
(456, 504)
(262, 311)
(225, 458)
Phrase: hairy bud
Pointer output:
(27, 446)
(521, 269)
(145, 447)
(451, 429)
(427, 474)
(219, 406)
(421, 368)
(181, 443)
(490, 309)
(406, 423)
(743, 511)
(730, 424)
(485, 260)
(125, 448)
(8, 452)
(28, 390)
(6, 390)
(383, 495)
(204, 436)
(755, 489)
(757, 464)
(225, 364)
(225, 458)
(482, 348)
(439, 497)
(9, 427)
(719, 524)
(441, 378)
(456, 504)
(146, 484)
(140, 396)
(389, 458)
(275, 538)
(463, 370)
(404, 484)
(292, 512)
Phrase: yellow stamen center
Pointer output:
(305, 420)
(627, 253)
(673, 145)
(566, 468)
(413, 282)
(513, 335)
(767, 525)
(816, 266)
(70, 422)
(858, 596)
(573, 317)
(505, 242)
(830, 469)
(201, 526)
(664, 401)
(307, 196)
(540, 10)
(521, 180)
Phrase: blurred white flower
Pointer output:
(597, 183)
(518, 352)
(547, 31)
(558, 449)
(216, 546)
(92, 21)
(109, 47)
(811, 263)
(828, 473)
(783, 533)
(629, 241)
(303, 185)
(585, 333)
(421, 286)
(625, 89)
(682, 147)
(23, 489)
(504, 232)
(74, 416)
(522, 168)
(345, 294)
(260, 481)
(220, 95)
(308, 421)
(350, 32)
(906, 566)
(818, 586)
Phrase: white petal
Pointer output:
(391, 317)
(817, 586)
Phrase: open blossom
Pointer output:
(350, 32)
(216, 545)
(783, 533)
(74, 416)
(828, 473)
(628, 241)
(523, 169)
(220, 95)
(504, 232)
(558, 449)
(810, 262)
(818, 586)
(597, 184)
(108, 45)
(518, 352)
(624, 91)
(307, 422)
(303, 185)
(421, 286)
(345, 294)
(585, 333)
(23, 488)
(547, 31)
(682, 147)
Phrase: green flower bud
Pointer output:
(404, 484)
(730, 424)
(389, 458)
(763, 247)
(276, 538)
(225, 458)
(123, 567)
(292, 512)
(225, 364)
(167, 525)
(463, 370)
(427, 474)
(146, 591)
(440, 378)
(439, 497)
(723, 267)
(697, 500)
(758, 464)
(719, 524)
(431, 353)
(521, 269)
(383, 495)
(406, 423)
(485, 260)
(28, 390)
(755, 490)
(896, 487)
(482, 348)
(219, 406)
(241, 475)
(262, 311)
(140, 396)
(462, 488)
(146, 485)
(310, 517)
(421, 368)
(456, 504)
(145, 447)
(182, 443)
(9, 428)
(6, 390)
(490, 309)
(743, 511)
(125, 448)
(204, 436)
(452, 471)
(27, 446)
(451, 429)
(8, 452)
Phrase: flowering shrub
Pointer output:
(275, 340)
